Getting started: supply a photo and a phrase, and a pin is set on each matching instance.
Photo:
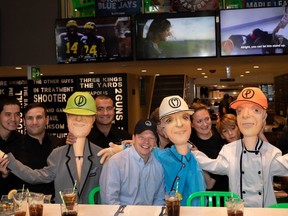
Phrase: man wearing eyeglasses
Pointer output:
(104, 131)
(137, 165)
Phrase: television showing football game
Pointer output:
(171, 36)
(94, 39)
(254, 31)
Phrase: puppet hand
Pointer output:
(70, 139)
(106, 153)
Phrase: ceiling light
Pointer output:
(91, 72)
(143, 71)
(157, 74)
(241, 75)
(247, 72)
(205, 77)
(203, 73)
(199, 69)
(18, 68)
(256, 66)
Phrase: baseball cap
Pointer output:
(145, 124)
(250, 94)
(81, 103)
(173, 104)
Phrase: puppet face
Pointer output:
(80, 125)
(177, 127)
(250, 118)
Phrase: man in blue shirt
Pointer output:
(181, 170)
(134, 176)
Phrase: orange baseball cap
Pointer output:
(250, 94)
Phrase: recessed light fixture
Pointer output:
(241, 75)
(91, 72)
(247, 72)
(203, 73)
(157, 74)
(205, 77)
(199, 69)
(18, 68)
(143, 71)
(256, 66)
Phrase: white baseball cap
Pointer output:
(173, 104)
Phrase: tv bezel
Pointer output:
(145, 17)
(81, 21)
(221, 34)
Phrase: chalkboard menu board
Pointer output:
(114, 85)
(55, 91)
(18, 88)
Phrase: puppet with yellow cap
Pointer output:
(250, 163)
(68, 166)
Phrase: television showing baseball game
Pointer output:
(254, 31)
(94, 39)
(172, 36)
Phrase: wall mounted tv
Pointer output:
(172, 36)
(93, 39)
(250, 32)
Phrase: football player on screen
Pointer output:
(93, 45)
(69, 43)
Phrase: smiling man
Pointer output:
(134, 176)
(250, 163)
(104, 131)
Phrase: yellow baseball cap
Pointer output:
(81, 103)
(250, 94)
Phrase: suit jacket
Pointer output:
(62, 170)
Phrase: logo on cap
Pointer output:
(174, 102)
(248, 94)
(80, 100)
(148, 123)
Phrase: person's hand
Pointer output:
(127, 142)
(70, 139)
(106, 153)
(2, 154)
(3, 166)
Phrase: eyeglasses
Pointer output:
(102, 109)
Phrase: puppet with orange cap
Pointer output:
(250, 163)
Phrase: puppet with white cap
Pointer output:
(182, 173)
(250, 163)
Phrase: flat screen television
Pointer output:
(250, 32)
(94, 39)
(172, 36)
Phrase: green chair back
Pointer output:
(92, 194)
(279, 205)
(211, 198)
